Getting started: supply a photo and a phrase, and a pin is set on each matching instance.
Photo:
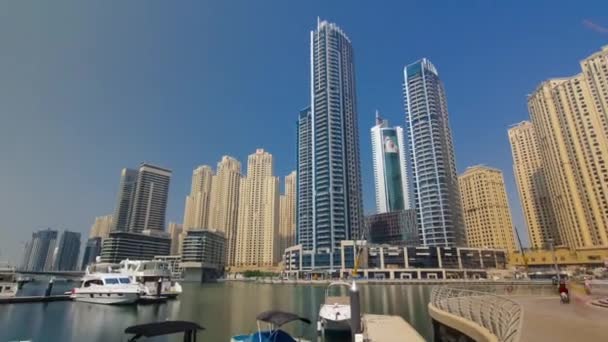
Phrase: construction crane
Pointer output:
(523, 253)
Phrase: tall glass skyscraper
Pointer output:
(336, 201)
(435, 182)
(390, 167)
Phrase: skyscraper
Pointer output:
(532, 185)
(91, 251)
(102, 226)
(258, 223)
(196, 215)
(224, 204)
(39, 252)
(175, 233)
(571, 123)
(287, 225)
(435, 182)
(68, 250)
(126, 195)
(486, 208)
(150, 202)
(336, 202)
(390, 167)
(304, 222)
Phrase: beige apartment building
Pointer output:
(101, 227)
(258, 222)
(196, 214)
(175, 233)
(532, 185)
(571, 124)
(287, 229)
(486, 208)
(224, 206)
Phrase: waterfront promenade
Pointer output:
(546, 319)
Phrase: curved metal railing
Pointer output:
(503, 317)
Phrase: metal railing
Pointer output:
(501, 316)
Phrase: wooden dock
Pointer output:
(35, 299)
(384, 328)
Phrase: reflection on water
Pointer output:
(223, 309)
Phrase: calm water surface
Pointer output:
(224, 309)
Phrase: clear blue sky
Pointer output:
(87, 88)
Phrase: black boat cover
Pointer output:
(162, 328)
(279, 318)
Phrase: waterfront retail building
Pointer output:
(396, 228)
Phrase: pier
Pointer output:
(35, 299)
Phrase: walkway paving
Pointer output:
(546, 319)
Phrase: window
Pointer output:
(125, 281)
(93, 282)
(111, 281)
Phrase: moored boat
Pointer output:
(334, 314)
(275, 320)
(149, 273)
(8, 281)
(107, 288)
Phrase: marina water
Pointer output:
(224, 309)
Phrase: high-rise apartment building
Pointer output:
(486, 208)
(258, 220)
(175, 234)
(224, 204)
(68, 250)
(40, 250)
(532, 185)
(336, 200)
(150, 202)
(571, 123)
(126, 195)
(91, 251)
(287, 225)
(102, 226)
(196, 215)
(304, 222)
(435, 182)
(390, 167)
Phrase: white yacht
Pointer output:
(334, 314)
(107, 288)
(148, 273)
(8, 281)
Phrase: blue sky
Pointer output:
(87, 88)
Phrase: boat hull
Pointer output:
(106, 298)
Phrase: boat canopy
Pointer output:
(280, 318)
(162, 328)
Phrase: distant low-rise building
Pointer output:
(135, 246)
(203, 254)
(382, 261)
(538, 259)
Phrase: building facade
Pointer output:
(569, 117)
(126, 196)
(257, 243)
(390, 167)
(532, 185)
(486, 208)
(150, 202)
(287, 224)
(102, 226)
(91, 251)
(136, 246)
(68, 251)
(435, 182)
(304, 222)
(382, 261)
(396, 228)
(175, 234)
(224, 206)
(336, 203)
(196, 214)
(40, 250)
(206, 247)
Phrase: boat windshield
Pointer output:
(111, 281)
(125, 281)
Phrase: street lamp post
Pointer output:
(552, 247)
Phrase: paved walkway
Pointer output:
(546, 319)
